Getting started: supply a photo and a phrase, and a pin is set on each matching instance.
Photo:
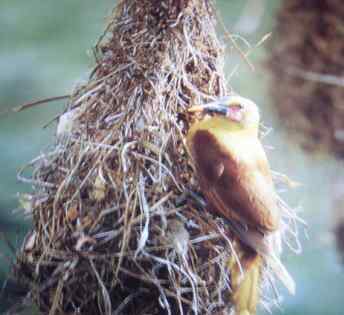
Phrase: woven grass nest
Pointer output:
(307, 67)
(114, 232)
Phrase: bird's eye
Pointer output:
(235, 112)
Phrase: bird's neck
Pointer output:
(226, 125)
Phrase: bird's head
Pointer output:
(238, 110)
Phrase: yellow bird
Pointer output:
(236, 180)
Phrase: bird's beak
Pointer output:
(232, 111)
(210, 108)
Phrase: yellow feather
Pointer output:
(233, 137)
(246, 288)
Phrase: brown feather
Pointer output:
(238, 190)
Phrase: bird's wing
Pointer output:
(237, 189)
(241, 192)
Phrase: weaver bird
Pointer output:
(235, 178)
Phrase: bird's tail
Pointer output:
(245, 279)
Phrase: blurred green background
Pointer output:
(45, 50)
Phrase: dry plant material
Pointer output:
(115, 231)
(307, 69)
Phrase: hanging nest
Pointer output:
(307, 67)
(114, 231)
